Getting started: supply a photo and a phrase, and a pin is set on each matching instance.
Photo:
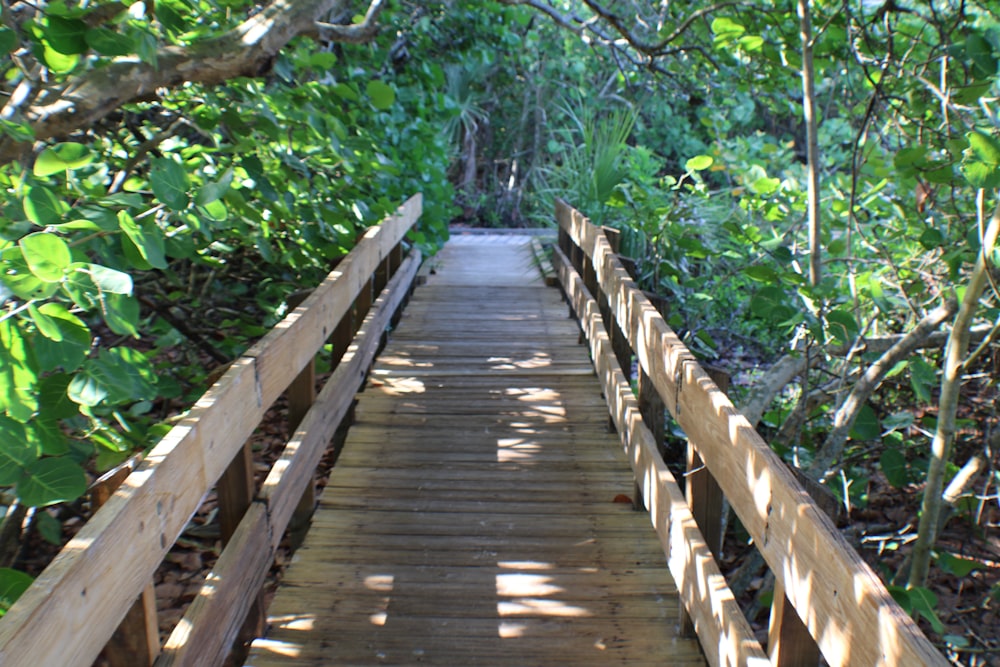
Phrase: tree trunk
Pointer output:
(812, 144)
(951, 384)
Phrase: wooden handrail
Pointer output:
(846, 608)
(74, 606)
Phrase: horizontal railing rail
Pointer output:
(76, 604)
(844, 608)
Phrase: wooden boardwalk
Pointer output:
(472, 517)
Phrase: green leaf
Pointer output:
(108, 42)
(766, 186)
(910, 156)
(19, 279)
(346, 92)
(73, 344)
(66, 36)
(18, 373)
(866, 425)
(86, 390)
(211, 192)
(751, 42)
(147, 237)
(923, 601)
(51, 480)
(981, 161)
(725, 30)
(381, 94)
(13, 583)
(762, 274)
(699, 163)
(49, 527)
(110, 280)
(324, 60)
(773, 304)
(958, 566)
(46, 436)
(169, 181)
(842, 326)
(8, 40)
(923, 377)
(47, 255)
(52, 398)
(893, 465)
(42, 207)
(16, 453)
(62, 157)
(121, 313)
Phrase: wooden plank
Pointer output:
(843, 603)
(205, 636)
(725, 635)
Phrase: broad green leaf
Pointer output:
(214, 191)
(893, 465)
(47, 436)
(66, 36)
(324, 60)
(58, 62)
(16, 453)
(984, 147)
(19, 279)
(52, 398)
(121, 313)
(842, 326)
(923, 378)
(18, 373)
(923, 601)
(762, 274)
(766, 186)
(699, 163)
(49, 527)
(726, 29)
(17, 131)
(980, 52)
(45, 325)
(773, 304)
(381, 94)
(42, 207)
(13, 583)
(898, 420)
(73, 345)
(958, 566)
(51, 480)
(110, 280)
(981, 162)
(751, 42)
(85, 390)
(109, 42)
(8, 40)
(147, 237)
(346, 92)
(866, 425)
(169, 181)
(909, 156)
(47, 255)
(62, 157)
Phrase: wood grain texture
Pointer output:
(475, 518)
(847, 609)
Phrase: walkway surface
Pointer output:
(475, 515)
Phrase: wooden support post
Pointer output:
(136, 642)
(236, 490)
(301, 395)
(703, 493)
(788, 640)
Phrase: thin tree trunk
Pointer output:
(951, 384)
(812, 144)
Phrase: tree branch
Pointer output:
(848, 411)
(247, 50)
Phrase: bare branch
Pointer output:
(357, 33)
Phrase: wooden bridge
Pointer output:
(481, 510)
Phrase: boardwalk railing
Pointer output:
(844, 608)
(104, 574)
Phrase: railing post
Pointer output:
(788, 640)
(704, 495)
(136, 642)
(301, 394)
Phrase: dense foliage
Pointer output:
(126, 237)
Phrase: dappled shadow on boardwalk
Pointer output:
(472, 516)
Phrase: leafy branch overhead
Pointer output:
(98, 69)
